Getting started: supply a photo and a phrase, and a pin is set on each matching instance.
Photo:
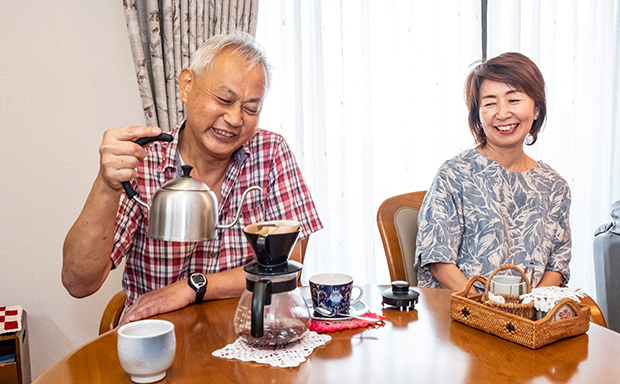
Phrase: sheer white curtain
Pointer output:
(576, 46)
(369, 95)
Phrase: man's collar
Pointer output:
(241, 154)
(169, 156)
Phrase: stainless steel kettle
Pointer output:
(183, 209)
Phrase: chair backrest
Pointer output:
(397, 219)
(112, 313)
(596, 316)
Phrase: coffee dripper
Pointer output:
(271, 312)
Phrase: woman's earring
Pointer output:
(536, 115)
(529, 139)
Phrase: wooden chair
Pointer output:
(112, 313)
(596, 316)
(397, 219)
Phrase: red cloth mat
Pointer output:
(321, 326)
(10, 319)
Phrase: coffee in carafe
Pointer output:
(271, 312)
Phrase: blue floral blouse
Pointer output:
(478, 215)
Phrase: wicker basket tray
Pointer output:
(473, 312)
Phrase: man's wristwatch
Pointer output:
(198, 282)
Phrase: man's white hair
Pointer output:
(241, 43)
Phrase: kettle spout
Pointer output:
(226, 226)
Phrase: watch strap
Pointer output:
(200, 294)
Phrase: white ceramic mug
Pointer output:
(508, 285)
(146, 349)
(332, 291)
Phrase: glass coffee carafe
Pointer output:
(271, 312)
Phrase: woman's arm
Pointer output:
(440, 233)
(550, 278)
(557, 269)
(450, 276)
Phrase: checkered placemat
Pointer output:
(10, 319)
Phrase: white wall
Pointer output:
(66, 75)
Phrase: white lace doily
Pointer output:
(545, 298)
(286, 357)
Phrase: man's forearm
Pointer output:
(221, 285)
(89, 242)
(226, 284)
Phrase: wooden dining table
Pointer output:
(423, 345)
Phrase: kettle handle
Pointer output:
(226, 226)
(261, 296)
(142, 142)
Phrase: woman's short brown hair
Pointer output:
(519, 72)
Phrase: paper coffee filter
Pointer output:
(286, 229)
(273, 227)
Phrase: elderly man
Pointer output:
(223, 91)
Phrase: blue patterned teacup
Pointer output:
(332, 291)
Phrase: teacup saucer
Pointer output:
(357, 309)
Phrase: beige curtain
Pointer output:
(164, 34)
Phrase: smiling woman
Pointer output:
(494, 205)
(507, 117)
(523, 80)
(507, 107)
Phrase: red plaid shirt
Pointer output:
(266, 161)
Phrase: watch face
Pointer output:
(198, 279)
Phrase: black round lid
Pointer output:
(400, 295)
(289, 267)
